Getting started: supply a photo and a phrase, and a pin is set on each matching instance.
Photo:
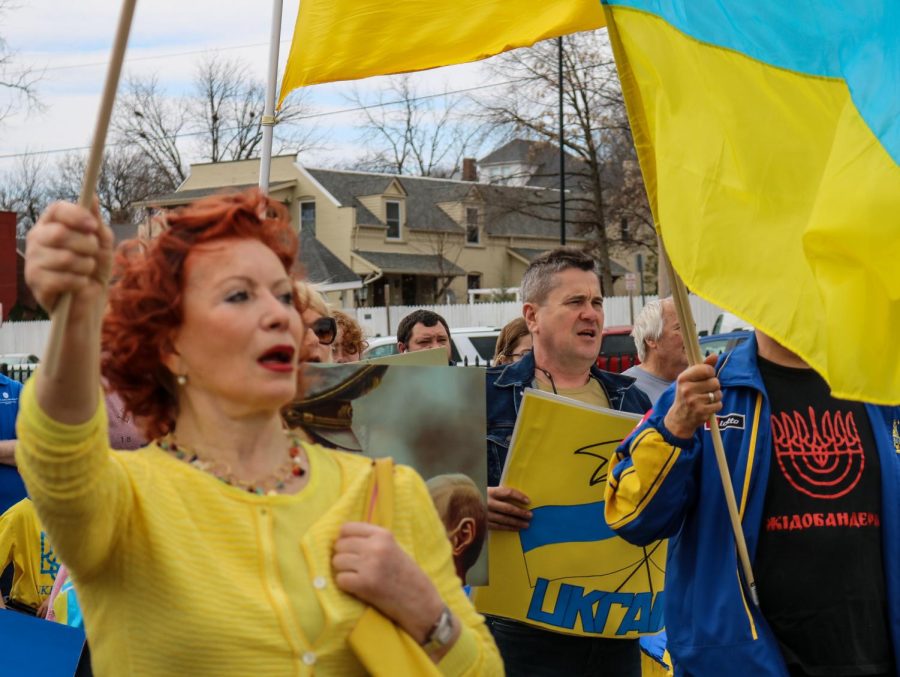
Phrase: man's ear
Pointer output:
(401, 347)
(529, 312)
(463, 536)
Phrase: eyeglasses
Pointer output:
(325, 329)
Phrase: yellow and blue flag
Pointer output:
(568, 571)
(769, 138)
(351, 39)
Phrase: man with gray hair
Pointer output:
(563, 308)
(660, 348)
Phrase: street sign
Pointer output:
(630, 281)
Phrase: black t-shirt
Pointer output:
(819, 559)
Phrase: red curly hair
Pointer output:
(146, 298)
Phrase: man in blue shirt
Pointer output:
(11, 488)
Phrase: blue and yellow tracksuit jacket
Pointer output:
(666, 487)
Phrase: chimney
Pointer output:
(8, 263)
(469, 171)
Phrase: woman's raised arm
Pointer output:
(70, 251)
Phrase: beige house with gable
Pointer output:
(369, 239)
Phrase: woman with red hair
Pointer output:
(230, 545)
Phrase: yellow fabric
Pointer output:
(382, 648)
(773, 198)
(558, 458)
(590, 393)
(24, 544)
(637, 485)
(352, 39)
(178, 573)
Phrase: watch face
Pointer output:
(444, 629)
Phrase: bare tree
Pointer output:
(446, 248)
(219, 120)
(126, 176)
(408, 133)
(149, 122)
(25, 190)
(20, 84)
(226, 111)
(605, 199)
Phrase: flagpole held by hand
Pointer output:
(60, 313)
(692, 349)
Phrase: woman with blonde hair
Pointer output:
(513, 342)
(228, 546)
(350, 343)
(321, 326)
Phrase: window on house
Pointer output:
(472, 234)
(473, 281)
(623, 228)
(392, 218)
(308, 216)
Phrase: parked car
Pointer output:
(468, 346)
(617, 349)
(727, 322)
(18, 366)
(716, 344)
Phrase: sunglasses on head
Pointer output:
(325, 329)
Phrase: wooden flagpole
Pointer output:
(60, 313)
(692, 348)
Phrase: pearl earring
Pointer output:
(181, 379)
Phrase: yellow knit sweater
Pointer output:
(180, 574)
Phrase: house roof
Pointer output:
(542, 159)
(320, 265)
(422, 196)
(525, 212)
(509, 210)
(412, 264)
(181, 197)
(529, 255)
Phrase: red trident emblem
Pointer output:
(822, 459)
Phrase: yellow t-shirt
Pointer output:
(24, 543)
(178, 573)
(590, 393)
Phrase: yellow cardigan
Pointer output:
(178, 573)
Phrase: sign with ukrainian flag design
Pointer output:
(568, 572)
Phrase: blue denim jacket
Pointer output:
(504, 389)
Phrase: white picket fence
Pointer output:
(383, 321)
(31, 337)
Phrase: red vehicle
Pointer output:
(617, 349)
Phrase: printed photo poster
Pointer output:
(431, 418)
(569, 572)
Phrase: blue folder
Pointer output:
(33, 646)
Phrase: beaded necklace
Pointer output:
(292, 467)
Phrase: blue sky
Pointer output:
(71, 40)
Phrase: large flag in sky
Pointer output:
(769, 137)
(350, 39)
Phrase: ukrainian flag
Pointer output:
(768, 133)
(351, 39)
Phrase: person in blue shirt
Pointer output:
(12, 490)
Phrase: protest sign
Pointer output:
(568, 572)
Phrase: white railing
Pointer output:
(31, 337)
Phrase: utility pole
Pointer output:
(562, 152)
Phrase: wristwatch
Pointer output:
(441, 632)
